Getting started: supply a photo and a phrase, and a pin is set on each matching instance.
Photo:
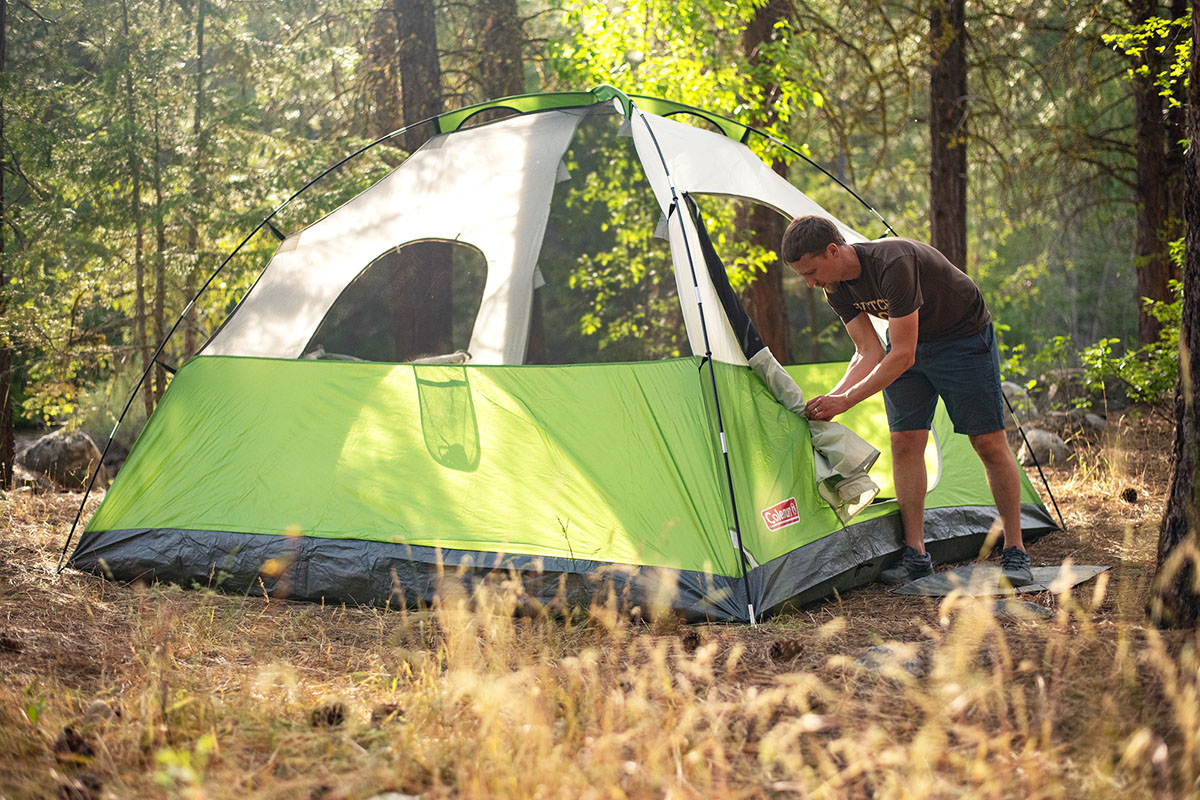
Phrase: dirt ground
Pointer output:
(110, 691)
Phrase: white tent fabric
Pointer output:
(489, 187)
(688, 159)
(679, 159)
(704, 162)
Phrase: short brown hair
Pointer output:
(811, 234)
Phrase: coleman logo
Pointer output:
(781, 515)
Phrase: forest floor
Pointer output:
(121, 691)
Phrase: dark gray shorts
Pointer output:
(965, 373)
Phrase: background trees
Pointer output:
(140, 139)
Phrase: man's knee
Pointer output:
(992, 446)
(909, 443)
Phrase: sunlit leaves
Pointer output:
(1171, 43)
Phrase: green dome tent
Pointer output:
(519, 354)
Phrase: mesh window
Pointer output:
(417, 301)
(747, 235)
(605, 290)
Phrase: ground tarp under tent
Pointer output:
(520, 354)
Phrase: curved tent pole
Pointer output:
(456, 119)
(827, 174)
(265, 223)
(677, 207)
(448, 122)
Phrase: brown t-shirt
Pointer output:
(900, 276)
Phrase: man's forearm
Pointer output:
(856, 371)
(892, 366)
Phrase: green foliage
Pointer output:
(179, 768)
(610, 289)
(1167, 42)
(87, 107)
(691, 52)
(33, 702)
(281, 98)
(1149, 373)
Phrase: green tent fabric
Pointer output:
(360, 482)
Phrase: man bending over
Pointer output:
(940, 344)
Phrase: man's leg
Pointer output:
(1004, 480)
(908, 474)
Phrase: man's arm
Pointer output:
(870, 370)
(868, 352)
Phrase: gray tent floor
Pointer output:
(981, 580)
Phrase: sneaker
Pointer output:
(912, 565)
(1014, 563)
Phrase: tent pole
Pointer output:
(146, 374)
(827, 174)
(266, 222)
(677, 208)
(1041, 474)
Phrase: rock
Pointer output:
(114, 459)
(100, 710)
(1056, 422)
(1069, 387)
(1021, 402)
(36, 483)
(1043, 447)
(65, 458)
(1063, 387)
(889, 657)
(1085, 422)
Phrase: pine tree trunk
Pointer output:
(7, 439)
(1175, 122)
(380, 81)
(135, 207)
(418, 66)
(429, 296)
(948, 131)
(501, 36)
(160, 258)
(1175, 599)
(764, 297)
(1150, 250)
(198, 191)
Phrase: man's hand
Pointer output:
(826, 406)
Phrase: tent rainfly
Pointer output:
(519, 354)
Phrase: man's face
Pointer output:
(820, 270)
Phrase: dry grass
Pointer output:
(167, 693)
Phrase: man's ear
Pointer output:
(832, 250)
